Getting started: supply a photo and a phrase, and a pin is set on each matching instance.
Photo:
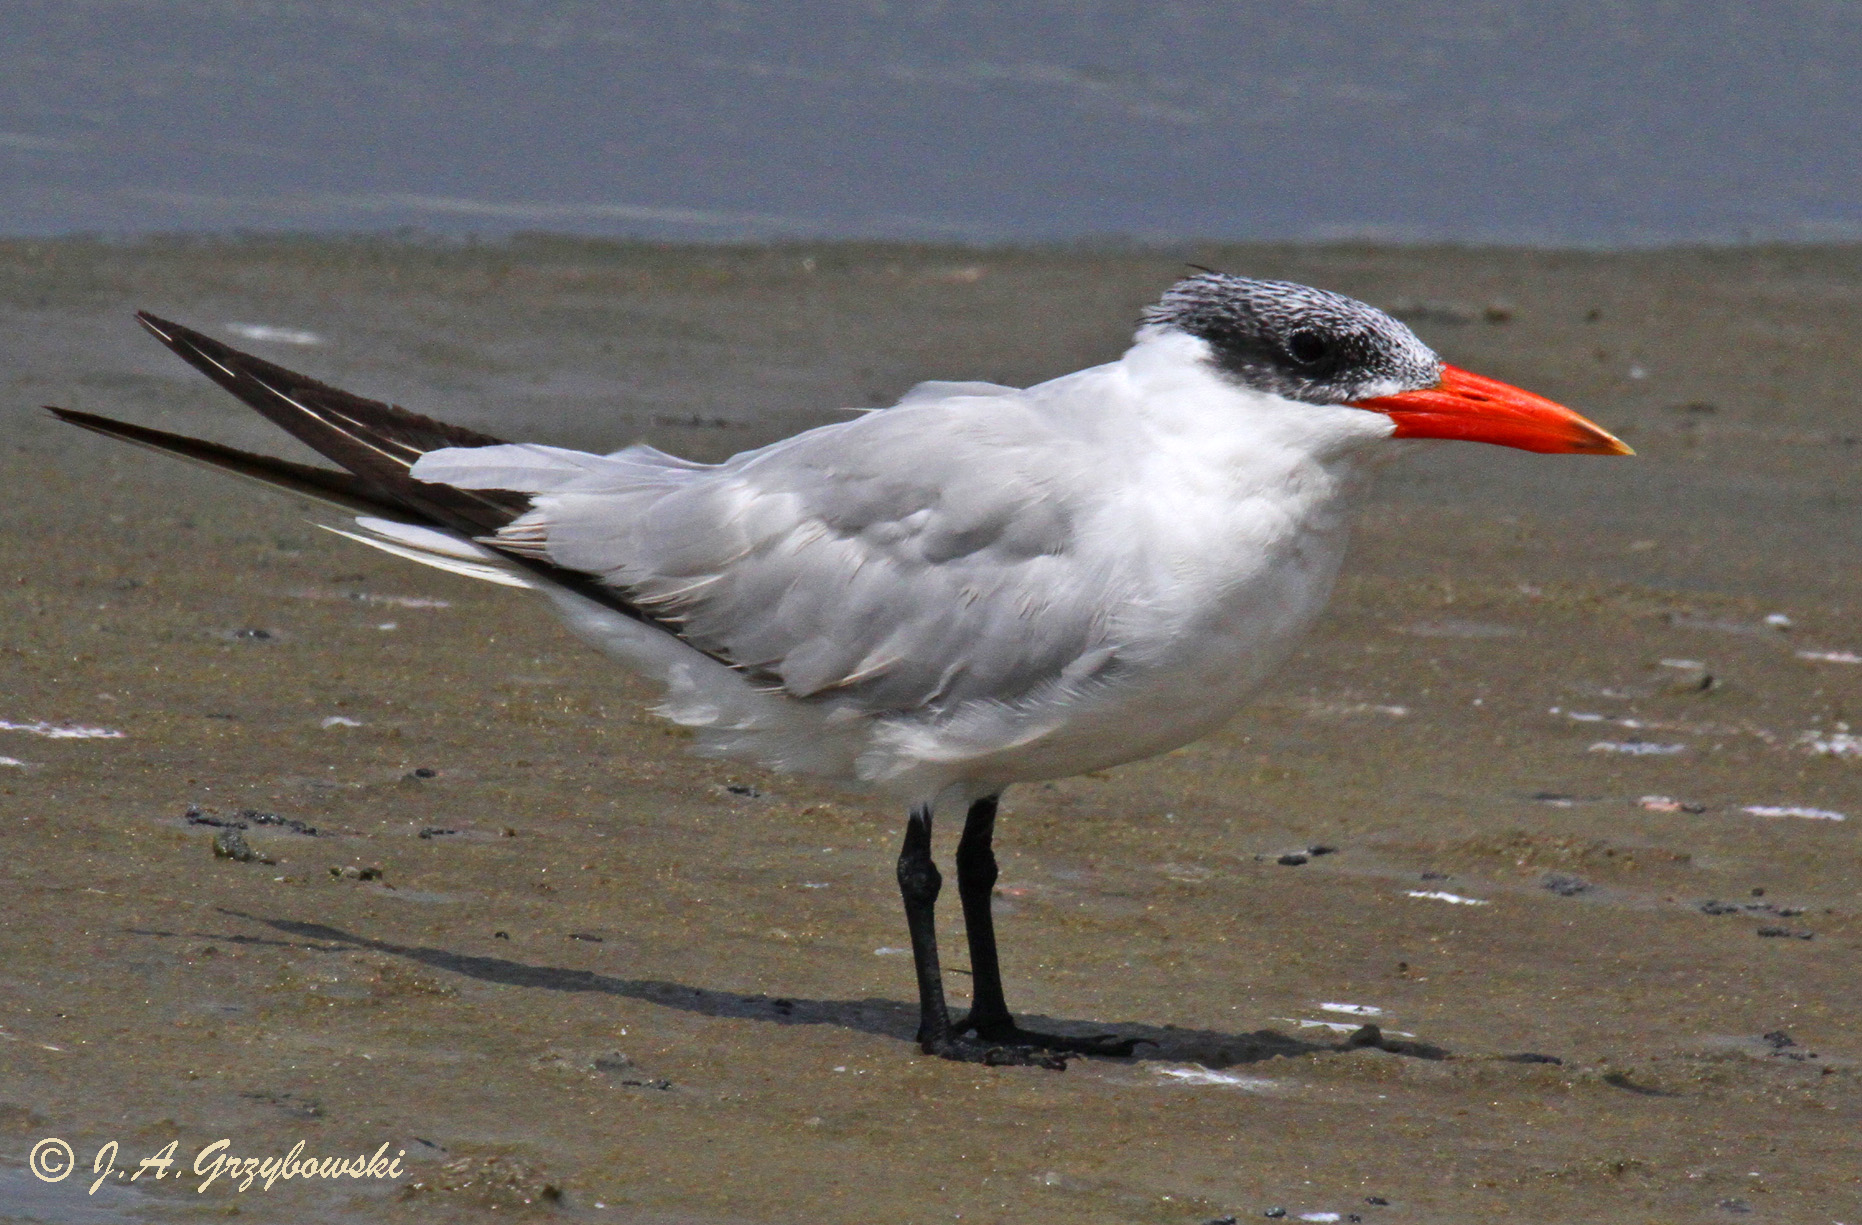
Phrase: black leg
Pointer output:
(989, 1017)
(919, 883)
(976, 884)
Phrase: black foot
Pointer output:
(1104, 1045)
(995, 1054)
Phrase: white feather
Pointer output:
(979, 586)
(432, 547)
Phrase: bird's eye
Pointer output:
(1308, 348)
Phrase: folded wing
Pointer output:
(909, 560)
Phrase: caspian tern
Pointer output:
(979, 586)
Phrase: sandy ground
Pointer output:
(600, 980)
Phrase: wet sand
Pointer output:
(601, 980)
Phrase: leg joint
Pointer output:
(919, 878)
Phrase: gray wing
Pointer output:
(919, 557)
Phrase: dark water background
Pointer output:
(1593, 124)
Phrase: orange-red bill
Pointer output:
(1474, 408)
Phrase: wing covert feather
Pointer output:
(905, 559)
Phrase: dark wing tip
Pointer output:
(220, 362)
(351, 434)
(88, 421)
(377, 441)
(341, 489)
(171, 334)
(176, 336)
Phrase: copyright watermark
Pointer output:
(53, 1160)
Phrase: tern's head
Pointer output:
(1311, 346)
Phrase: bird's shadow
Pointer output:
(1208, 1048)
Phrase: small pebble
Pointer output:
(196, 817)
(231, 844)
(245, 818)
(1621, 1081)
(1715, 907)
(1565, 885)
(271, 818)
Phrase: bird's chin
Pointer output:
(1377, 458)
(1468, 407)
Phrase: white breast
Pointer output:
(1219, 528)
